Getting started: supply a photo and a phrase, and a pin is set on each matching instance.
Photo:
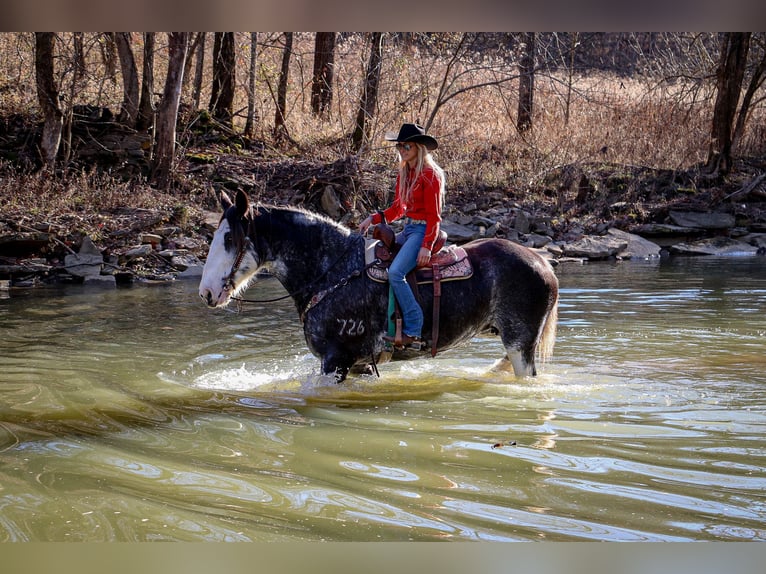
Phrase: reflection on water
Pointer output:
(138, 414)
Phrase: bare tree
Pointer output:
(369, 99)
(129, 108)
(48, 96)
(280, 130)
(324, 63)
(250, 120)
(730, 73)
(199, 69)
(224, 65)
(146, 105)
(526, 83)
(756, 81)
(178, 43)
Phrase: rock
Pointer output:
(638, 247)
(714, 246)
(702, 220)
(594, 247)
(87, 263)
(523, 223)
(183, 262)
(331, 203)
(100, 281)
(537, 241)
(457, 233)
(150, 238)
(139, 251)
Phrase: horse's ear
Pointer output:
(225, 201)
(243, 203)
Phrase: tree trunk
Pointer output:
(526, 83)
(730, 72)
(129, 110)
(199, 70)
(250, 120)
(48, 96)
(167, 113)
(280, 130)
(369, 99)
(222, 96)
(757, 79)
(324, 62)
(146, 105)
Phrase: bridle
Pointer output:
(228, 284)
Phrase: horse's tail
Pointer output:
(547, 335)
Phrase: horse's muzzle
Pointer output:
(208, 297)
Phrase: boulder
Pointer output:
(594, 247)
(457, 233)
(87, 262)
(714, 246)
(637, 248)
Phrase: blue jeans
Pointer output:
(404, 262)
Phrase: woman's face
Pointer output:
(407, 151)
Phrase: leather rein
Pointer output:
(228, 284)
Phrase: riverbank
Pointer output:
(96, 230)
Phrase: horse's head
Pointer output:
(231, 260)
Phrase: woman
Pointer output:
(419, 197)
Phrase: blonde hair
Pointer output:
(424, 158)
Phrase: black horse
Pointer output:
(512, 292)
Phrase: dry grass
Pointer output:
(610, 119)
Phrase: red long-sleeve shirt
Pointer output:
(425, 204)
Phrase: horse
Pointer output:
(513, 291)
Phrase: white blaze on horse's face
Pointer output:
(217, 285)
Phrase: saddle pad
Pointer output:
(453, 263)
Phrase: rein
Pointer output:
(229, 283)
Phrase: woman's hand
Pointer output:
(364, 226)
(424, 256)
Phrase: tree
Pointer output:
(129, 109)
(199, 69)
(526, 83)
(280, 130)
(756, 81)
(250, 120)
(324, 63)
(222, 93)
(48, 96)
(178, 43)
(729, 76)
(145, 105)
(369, 99)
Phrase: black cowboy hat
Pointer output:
(413, 133)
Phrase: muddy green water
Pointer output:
(138, 414)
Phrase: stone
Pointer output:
(592, 247)
(100, 281)
(703, 220)
(87, 262)
(139, 251)
(637, 248)
(714, 246)
(457, 233)
(331, 203)
(150, 238)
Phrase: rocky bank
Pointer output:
(580, 218)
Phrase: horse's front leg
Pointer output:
(337, 366)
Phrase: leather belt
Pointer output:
(415, 221)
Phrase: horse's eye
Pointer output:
(227, 240)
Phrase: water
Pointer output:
(139, 414)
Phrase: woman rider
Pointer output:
(419, 198)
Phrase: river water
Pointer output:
(138, 414)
